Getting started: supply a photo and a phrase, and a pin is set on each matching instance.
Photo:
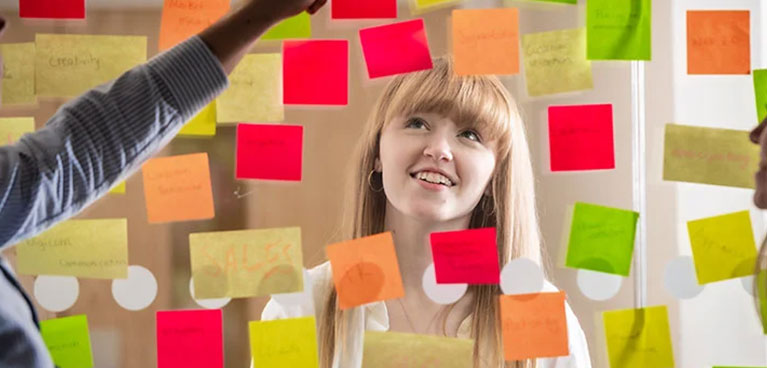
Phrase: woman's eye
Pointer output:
(416, 123)
(470, 134)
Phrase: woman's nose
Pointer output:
(439, 149)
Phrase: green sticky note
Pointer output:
(299, 26)
(618, 29)
(68, 341)
(639, 338)
(723, 247)
(601, 239)
(555, 62)
(284, 343)
(203, 124)
(760, 90)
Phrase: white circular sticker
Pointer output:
(748, 284)
(521, 276)
(680, 278)
(441, 293)
(56, 293)
(136, 292)
(598, 285)
(215, 303)
(305, 297)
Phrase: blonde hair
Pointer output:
(481, 101)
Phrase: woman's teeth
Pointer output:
(433, 178)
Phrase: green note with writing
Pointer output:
(760, 91)
(618, 29)
(639, 338)
(68, 341)
(723, 247)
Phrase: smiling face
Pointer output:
(759, 136)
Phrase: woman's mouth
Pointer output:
(432, 178)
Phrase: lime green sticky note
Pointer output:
(255, 91)
(12, 129)
(555, 62)
(68, 341)
(284, 343)
(422, 6)
(299, 26)
(601, 239)
(639, 338)
(760, 90)
(18, 73)
(618, 29)
(723, 247)
(203, 124)
(118, 189)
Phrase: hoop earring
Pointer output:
(370, 183)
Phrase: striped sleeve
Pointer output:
(100, 138)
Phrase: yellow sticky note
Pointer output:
(11, 129)
(67, 65)
(246, 263)
(639, 338)
(555, 62)
(255, 91)
(284, 343)
(422, 6)
(118, 189)
(710, 156)
(404, 350)
(723, 247)
(18, 73)
(202, 124)
(83, 248)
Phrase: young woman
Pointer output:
(440, 152)
(759, 136)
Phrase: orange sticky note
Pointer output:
(486, 41)
(718, 42)
(365, 270)
(178, 188)
(534, 326)
(182, 19)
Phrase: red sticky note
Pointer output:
(315, 72)
(52, 9)
(363, 9)
(190, 339)
(534, 326)
(396, 48)
(466, 257)
(269, 152)
(581, 137)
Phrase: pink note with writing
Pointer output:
(581, 137)
(396, 48)
(190, 339)
(363, 9)
(315, 72)
(466, 256)
(269, 152)
(52, 9)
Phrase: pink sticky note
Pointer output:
(466, 257)
(190, 339)
(52, 9)
(269, 152)
(581, 137)
(363, 9)
(396, 48)
(315, 72)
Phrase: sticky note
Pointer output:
(365, 270)
(405, 350)
(308, 82)
(466, 256)
(67, 65)
(12, 129)
(618, 29)
(52, 9)
(255, 91)
(395, 48)
(68, 340)
(363, 9)
(203, 124)
(18, 73)
(638, 338)
(269, 152)
(760, 91)
(178, 188)
(246, 263)
(298, 26)
(709, 156)
(581, 137)
(723, 247)
(118, 189)
(601, 239)
(182, 19)
(486, 41)
(190, 339)
(534, 326)
(422, 6)
(280, 343)
(83, 248)
(555, 62)
(718, 42)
